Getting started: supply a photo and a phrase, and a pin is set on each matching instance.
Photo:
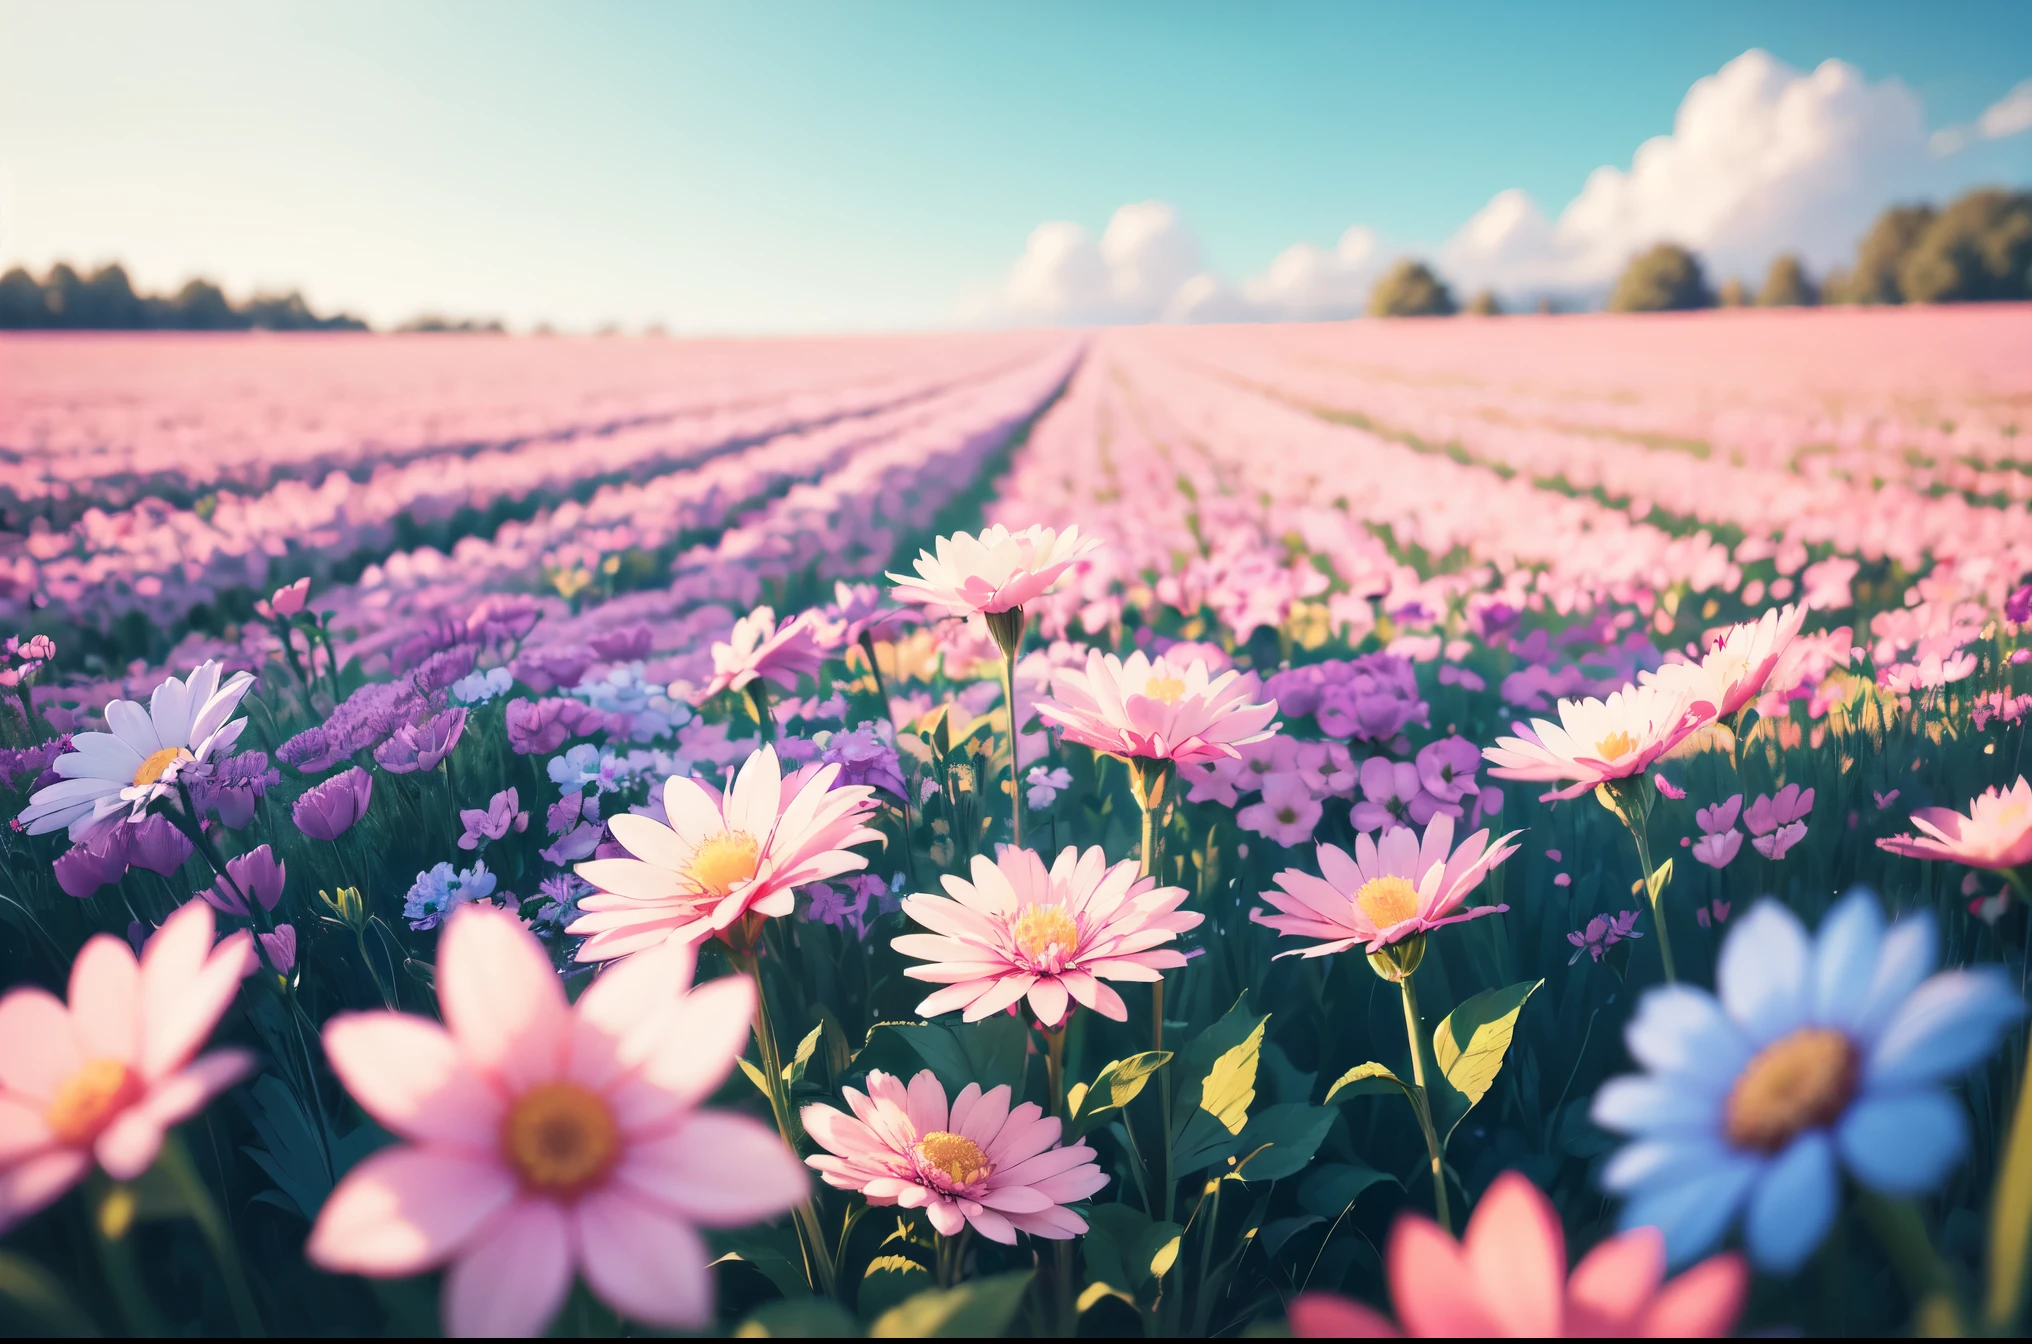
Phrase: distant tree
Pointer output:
(1978, 248)
(436, 324)
(21, 301)
(1874, 278)
(1410, 290)
(1485, 304)
(1786, 285)
(1666, 278)
(1733, 293)
(199, 306)
(1547, 305)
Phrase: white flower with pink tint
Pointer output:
(1996, 834)
(1387, 892)
(543, 1138)
(995, 572)
(1053, 936)
(1597, 742)
(1738, 663)
(979, 1162)
(759, 647)
(721, 857)
(103, 1078)
(1156, 709)
(1778, 822)
(1287, 812)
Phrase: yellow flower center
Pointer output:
(89, 1099)
(1167, 689)
(1799, 1082)
(1388, 900)
(560, 1138)
(1615, 745)
(152, 768)
(724, 862)
(1041, 927)
(961, 1159)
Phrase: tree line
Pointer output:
(1976, 249)
(105, 300)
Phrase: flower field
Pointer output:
(1506, 826)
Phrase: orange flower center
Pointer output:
(152, 768)
(961, 1159)
(1165, 688)
(1615, 745)
(1039, 928)
(560, 1138)
(724, 862)
(89, 1100)
(1799, 1082)
(1388, 900)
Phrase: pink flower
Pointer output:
(1018, 930)
(1717, 849)
(857, 610)
(721, 857)
(1716, 911)
(502, 815)
(1601, 934)
(984, 1162)
(1719, 817)
(538, 727)
(1507, 1277)
(1779, 842)
(759, 647)
(1883, 800)
(286, 601)
(543, 1137)
(104, 1078)
(1668, 788)
(1737, 665)
(1388, 790)
(1996, 833)
(422, 746)
(1286, 813)
(994, 572)
(1788, 805)
(1156, 709)
(1596, 741)
(1388, 891)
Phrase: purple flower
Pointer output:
(579, 844)
(28, 763)
(362, 720)
(503, 616)
(1388, 790)
(99, 860)
(1446, 768)
(538, 727)
(157, 845)
(422, 746)
(1601, 934)
(865, 756)
(280, 947)
(440, 670)
(547, 669)
(256, 873)
(569, 811)
(330, 809)
(2018, 606)
(235, 785)
(628, 644)
(501, 816)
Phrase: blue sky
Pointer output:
(832, 166)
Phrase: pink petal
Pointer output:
(1515, 1252)
(183, 1094)
(29, 1187)
(407, 1209)
(706, 1034)
(1428, 1275)
(1702, 1303)
(22, 1129)
(503, 1003)
(105, 998)
(1326, 1316)
(38, 1052)
(1615, 1281)
(1048, 1000)
(718, 1170)
(128, 1146)
(642, 1262)
(406, 1072)
(511, 1279)
(177, 1015)
(926, 1103)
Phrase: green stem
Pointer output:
(758, 701)
(1015, 783)
(1414, 1035)
(818, 1267)
(112, 1212)
(2011, 1212)
(1054, 1067)
(197, 1201)
(1902, 1233)
(1656, 895)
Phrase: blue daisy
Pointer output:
(1816, 1055)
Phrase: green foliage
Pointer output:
(1117, 1084)
(1280, 1140)
(1126, 1252)
(1667, 278)
(1366, 1080)
(106, 300)
(991, 1052)
(1410, 289)
(979, 1309)
(1881, 255)
(1215, 1090)
(798, 1318)
(1485, 304)
(1470, 1046)
(1978, 249)
(1787, 285)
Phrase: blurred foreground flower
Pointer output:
(1813, 1055)
(1018, 930)
(144, 756)
(1507, 1277)
(544, 1137)
(104, 1078)
(983, 1163)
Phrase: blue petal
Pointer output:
(1845, 960)
(1905, 1144)
(1945, 1027)
(1764, 976)
(1682, 1030)
(1648, 1104)
(1662, 1162)
(1693, 1209)
(1906, 958)
(1793, 1205)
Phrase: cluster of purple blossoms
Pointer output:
(233, 788)
(1373, 698)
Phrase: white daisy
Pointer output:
(1818, 1053)
(141, 759)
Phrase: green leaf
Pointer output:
(40, 1296)
(889, 1280)
(1470, 1046)
(772, 1252)
(1661, 877)
(989, 1052)
(793, 1072)
(1118, 1084)
(1280, 1140)
(755, 1076)
(982, 1309)
(1367, 1080)
(1211, 1130)
(798, 1318)
(1333, 1187)
(1126, 1250)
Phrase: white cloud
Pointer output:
(1762, 159)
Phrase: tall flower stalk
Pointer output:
(1631, 802)
(1396, 963)
(1007, 628)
